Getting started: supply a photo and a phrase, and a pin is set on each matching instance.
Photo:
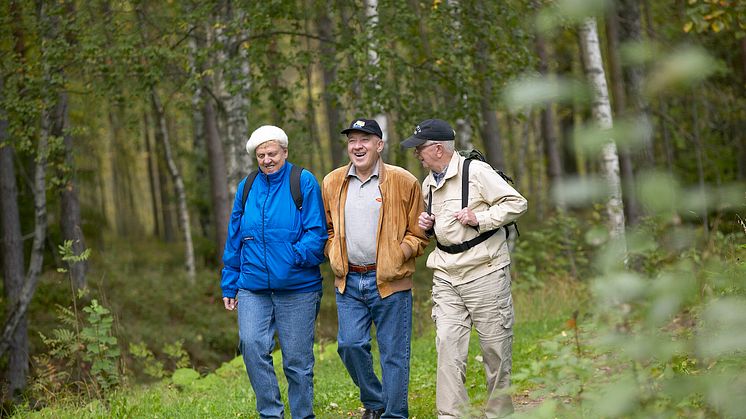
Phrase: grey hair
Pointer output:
(447, 145)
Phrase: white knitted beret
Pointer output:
(263, 134)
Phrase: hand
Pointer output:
(426, 221)
(406, 250)
(230, 303)
(467, 216)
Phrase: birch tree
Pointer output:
(162, 134)
(594, 69)
(371, 13)
(632, 210)
(12, 255)
(237, 76)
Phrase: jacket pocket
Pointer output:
(391, 263)
(336, 261)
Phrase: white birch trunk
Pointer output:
(237, 107)
(371, 12)
(594, 69)
(17, 314)
(464, 134)
(194, 70)
(178, 186)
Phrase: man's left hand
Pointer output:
(467, 217)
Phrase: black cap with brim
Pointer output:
(369, 126)
(430, 130)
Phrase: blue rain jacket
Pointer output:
(274, 247)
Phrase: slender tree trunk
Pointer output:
(313, 131)
(548, 132)
(700, 167)
(464, 135)
(178, 185)
(200, 167)
(328, 77)
(631, 207)
(70, 220)
(14, 329)
(12, 257)
(237, 110)
(602, 114)
(167, 213)
(152, 174)
(538, 166)
(216, 163)
(630, 31)
(489, 128)
(371, 12)
(522, 172)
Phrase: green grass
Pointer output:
(225, 392)
(152, 302)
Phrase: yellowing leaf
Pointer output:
(688, 27)
(717, 26)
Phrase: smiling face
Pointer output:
(270, 156)
(363, 150)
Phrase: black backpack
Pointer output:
(511, 229)
(295, 172)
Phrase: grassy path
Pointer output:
(226, 392)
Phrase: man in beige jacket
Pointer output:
(471, 268)
(372, 212)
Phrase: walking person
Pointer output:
(372, 211)
(471, 268)
(271, 272)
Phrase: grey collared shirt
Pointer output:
(362, 209)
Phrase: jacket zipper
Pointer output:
(380, 222)
(339, 223)
(264, 237)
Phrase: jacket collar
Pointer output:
(451, 170)
(381, 171)
(273, 177)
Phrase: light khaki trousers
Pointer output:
(487, 304)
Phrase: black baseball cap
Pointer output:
(364, 125)
(430, 129)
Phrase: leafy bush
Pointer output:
(82, 358)
(556, 249)
(668, 343)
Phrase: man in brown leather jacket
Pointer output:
(372, 210)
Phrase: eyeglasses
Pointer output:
(419, 148)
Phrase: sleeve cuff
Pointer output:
(482, 222)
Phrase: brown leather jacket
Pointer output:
(401, 206)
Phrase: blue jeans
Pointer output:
(357, 308)
(293, 317)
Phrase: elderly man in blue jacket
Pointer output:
(271, 274)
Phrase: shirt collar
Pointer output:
(353, 171)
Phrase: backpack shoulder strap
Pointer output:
(295, 191)
(465, 184)
(247, 187)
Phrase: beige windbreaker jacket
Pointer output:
(400, 208)
(494, 202)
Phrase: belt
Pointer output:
(361, 269)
